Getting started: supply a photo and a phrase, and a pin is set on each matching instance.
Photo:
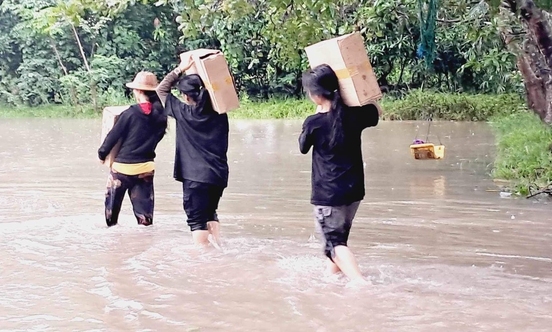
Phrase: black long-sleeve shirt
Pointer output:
(201, 139)
(139, 136)
(337, 173)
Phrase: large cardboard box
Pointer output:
(110, 116)
(348, 58)
(213, 69)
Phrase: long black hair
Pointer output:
(322, 81)
(158, 115)
(193, 87)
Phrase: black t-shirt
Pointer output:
(139, 136)
(201, 143)
(338, 172)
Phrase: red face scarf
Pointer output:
(146, 108)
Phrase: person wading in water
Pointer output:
(140, 128)
(334, 133)
(200, 163)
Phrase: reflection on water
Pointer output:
(443, 252)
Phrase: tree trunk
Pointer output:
(72, 92)
(535, 80)
(93, 91)
(535, 58)
(81, 49)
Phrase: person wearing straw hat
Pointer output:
(139, 128)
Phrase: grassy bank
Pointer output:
(418, 105)
(523, 151)
(48, 111)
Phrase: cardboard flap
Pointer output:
(206, 53)
(201, 54)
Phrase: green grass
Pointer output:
(273, 109)
(48, 111)
(523, 151)
(418, 105)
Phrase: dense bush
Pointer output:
(41, 60)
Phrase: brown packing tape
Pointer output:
(217, 85)
(352, 71)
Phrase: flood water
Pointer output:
(443, 251)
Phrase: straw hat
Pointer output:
(144, 80)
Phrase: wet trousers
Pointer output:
(140, 192)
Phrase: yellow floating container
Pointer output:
(427, 151)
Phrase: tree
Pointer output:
(78, 52)
(65, 50)
(534, 51)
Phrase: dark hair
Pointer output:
(158, 115)
(193, 87)
(322, 81)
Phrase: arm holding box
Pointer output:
(165, 87)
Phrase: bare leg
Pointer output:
(201, 238)
(331, 268)
(346, 262)
(214, 230)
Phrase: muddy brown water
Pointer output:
(443, 251)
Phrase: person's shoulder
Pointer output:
(174, 101)
(360, 112)
(354, 109)
(130, 111)
(313, 119)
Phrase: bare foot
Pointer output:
(213, 242)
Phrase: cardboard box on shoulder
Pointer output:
(110, 117)
(348, 58)
(213, 69)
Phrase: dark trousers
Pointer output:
(335, 223)
(201, 202)
(140, 192)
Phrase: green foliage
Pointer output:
(75, 51)
(62, 52)
(523, 151)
